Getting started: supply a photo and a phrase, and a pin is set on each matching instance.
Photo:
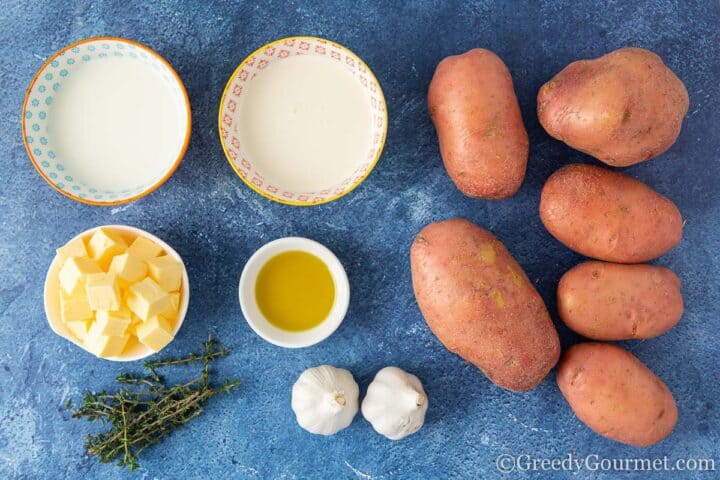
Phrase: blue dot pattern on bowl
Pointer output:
(39, 109)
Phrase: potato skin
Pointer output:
(480, 304)
(611, 301)
(616, 395)
(607, 215)
(483, 141)
(623, 108)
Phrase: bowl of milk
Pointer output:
(106, 120)
(303, 121)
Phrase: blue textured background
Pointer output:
(215, 222)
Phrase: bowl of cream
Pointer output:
(106, 120)
(302, 121)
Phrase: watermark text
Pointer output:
(508, 463)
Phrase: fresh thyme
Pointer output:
(145, 409)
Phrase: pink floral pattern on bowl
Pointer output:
(245, 73)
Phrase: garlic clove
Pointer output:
(325, 399)
(395, 403)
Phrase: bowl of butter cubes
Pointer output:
(118, 292)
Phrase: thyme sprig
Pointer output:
(145, 409)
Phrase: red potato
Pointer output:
(623, 108)
(611, 301)
(480, 304)
(607, 215)
(616, 395)
(483, 141)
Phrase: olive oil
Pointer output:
(295, 291)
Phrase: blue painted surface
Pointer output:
(215, 222)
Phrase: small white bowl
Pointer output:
(135, 350)
(257, 320)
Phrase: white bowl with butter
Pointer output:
(116, 260)
(303, 121)
(249, 300)
(106, 120)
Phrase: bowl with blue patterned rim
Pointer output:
(106, 120)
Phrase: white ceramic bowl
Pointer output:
(257, 320)
(83, 167)
(229, 121)
(135, 350)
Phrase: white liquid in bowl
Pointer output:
(305, 122)
(117, 124)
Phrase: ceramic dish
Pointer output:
(106, 121)
(265, 329)
(262, 177)
(135, 350)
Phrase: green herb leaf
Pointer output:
(146, 410)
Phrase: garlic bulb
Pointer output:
(395, 403)
(325, 399)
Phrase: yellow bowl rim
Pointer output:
(151, 188)
(254, 187)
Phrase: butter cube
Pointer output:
(75, 308)
(146, 299)
(128, 268)
(172, 310)
(155, 333)
(79, 329)
(73, 273)
(103, 291)
(134, 323)
(105, 345)
(112, 323)
(104, 245)
(144, 248)
(166, 271)
(74, 248)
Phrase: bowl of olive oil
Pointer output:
(294, 292)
